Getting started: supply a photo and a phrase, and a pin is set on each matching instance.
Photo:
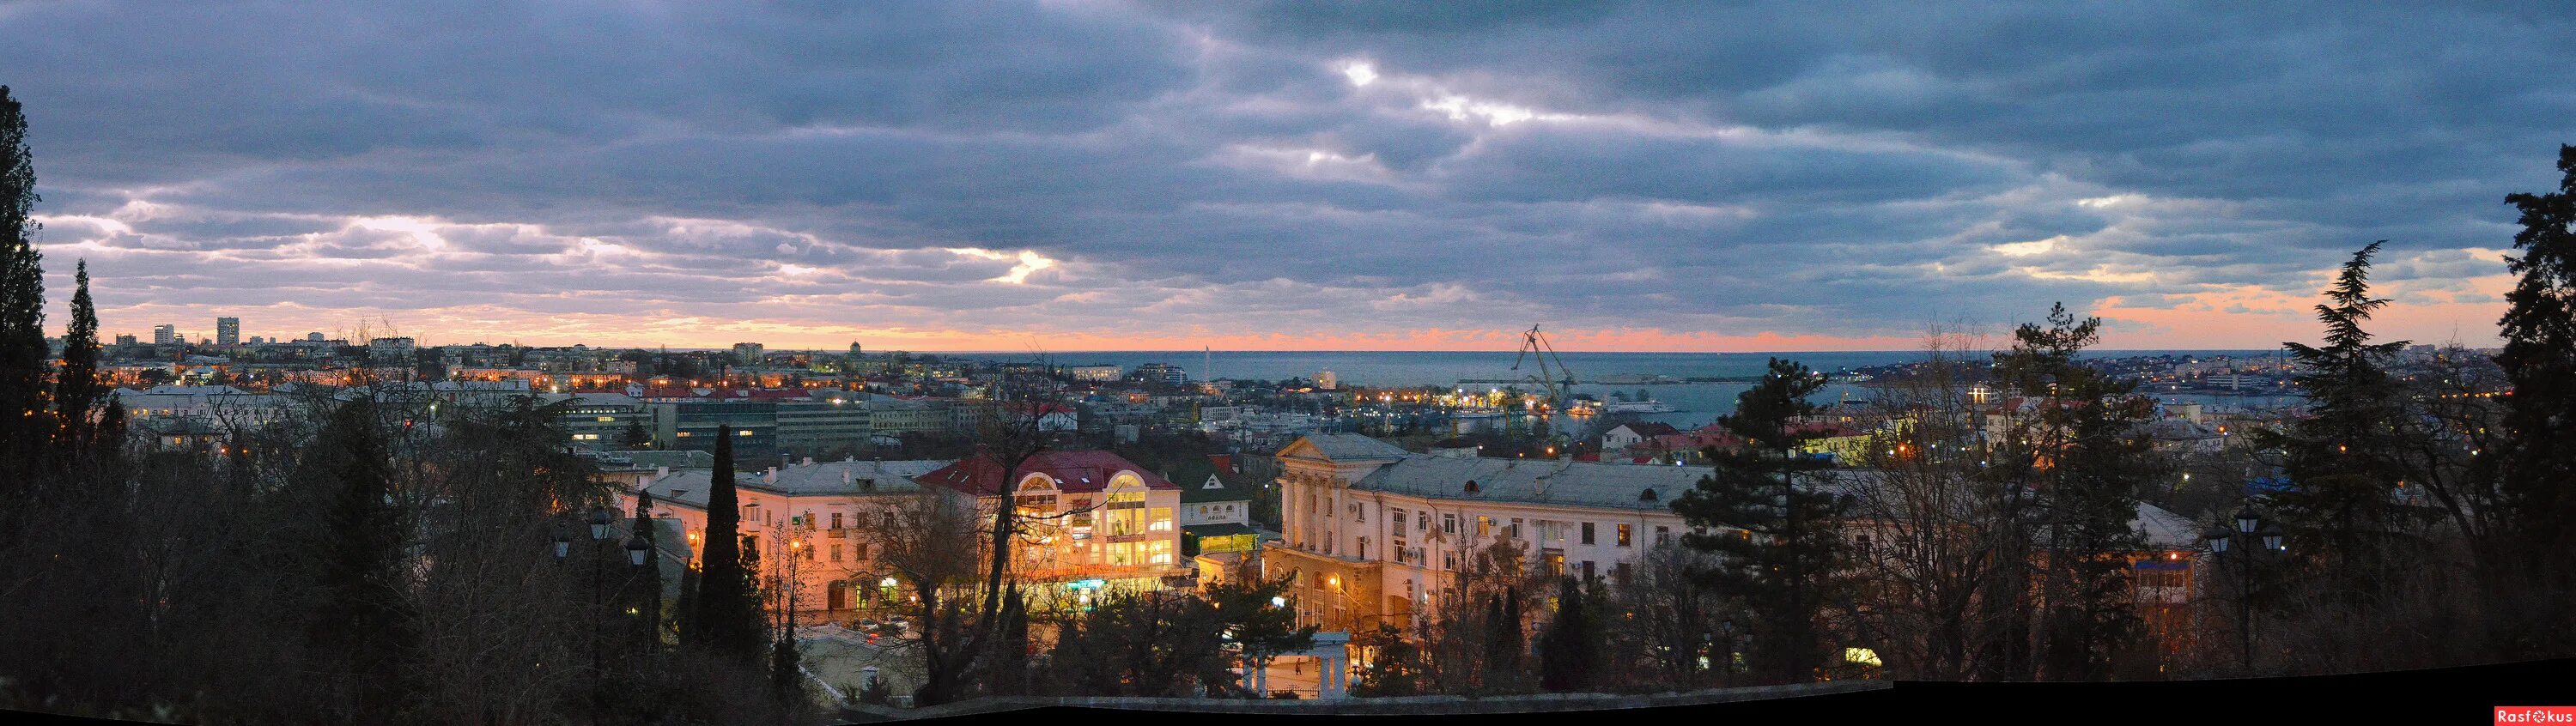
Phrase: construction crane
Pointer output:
(1558, 381)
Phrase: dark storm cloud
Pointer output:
(1313, 168)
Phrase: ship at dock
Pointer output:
(1642, 406)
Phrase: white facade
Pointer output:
(822, 520)
(1385, 529)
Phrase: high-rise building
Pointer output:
(165, 334)
(228, 331)
(748, 353)
(1327, 381)
(390, 351)
(314, 337)
(124, 340)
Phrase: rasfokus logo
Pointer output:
(2535, 714)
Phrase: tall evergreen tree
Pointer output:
(635, 437)
(362, 619)
(2539, 360)
(727, 611)
(24, 425)
(1504, 643)
(110, 439)
(1570, 654)
(2083, 461)
(76, 387)
(1780, 534)
(2337, 457)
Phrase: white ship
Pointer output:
(1646, 406)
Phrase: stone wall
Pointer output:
(1531, 703)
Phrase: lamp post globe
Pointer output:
(636, 547)
(599, 523)
(563, 543)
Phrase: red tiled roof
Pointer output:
(1074, 471)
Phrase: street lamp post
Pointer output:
(598, 519)
(2249, 537)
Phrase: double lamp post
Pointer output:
(2249, 540)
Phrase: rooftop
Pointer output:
(1354, 447)
(825, 478)
(1549, 481)
(1074, 471)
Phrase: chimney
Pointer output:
(771, 477)
(661, 471)
(809, 461)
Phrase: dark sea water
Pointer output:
(1699, 403)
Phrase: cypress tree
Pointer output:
(23, 413)
(356, 551)
(725, 610)
(1569, 655)
(1493, 637)
(76, 388)
(111, 429)
(2539, 360)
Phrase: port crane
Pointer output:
(1558, 380)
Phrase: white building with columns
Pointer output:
(1375, 533)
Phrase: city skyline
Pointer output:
(1115, 176)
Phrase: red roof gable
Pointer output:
(1074, 471)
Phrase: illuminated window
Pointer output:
(1161, 519)
(1484, 526)
(1623, 535)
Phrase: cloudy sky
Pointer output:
(1115, 175)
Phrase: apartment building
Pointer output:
(1375, 533)
(823, 522)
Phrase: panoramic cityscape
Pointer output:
(805, 364)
